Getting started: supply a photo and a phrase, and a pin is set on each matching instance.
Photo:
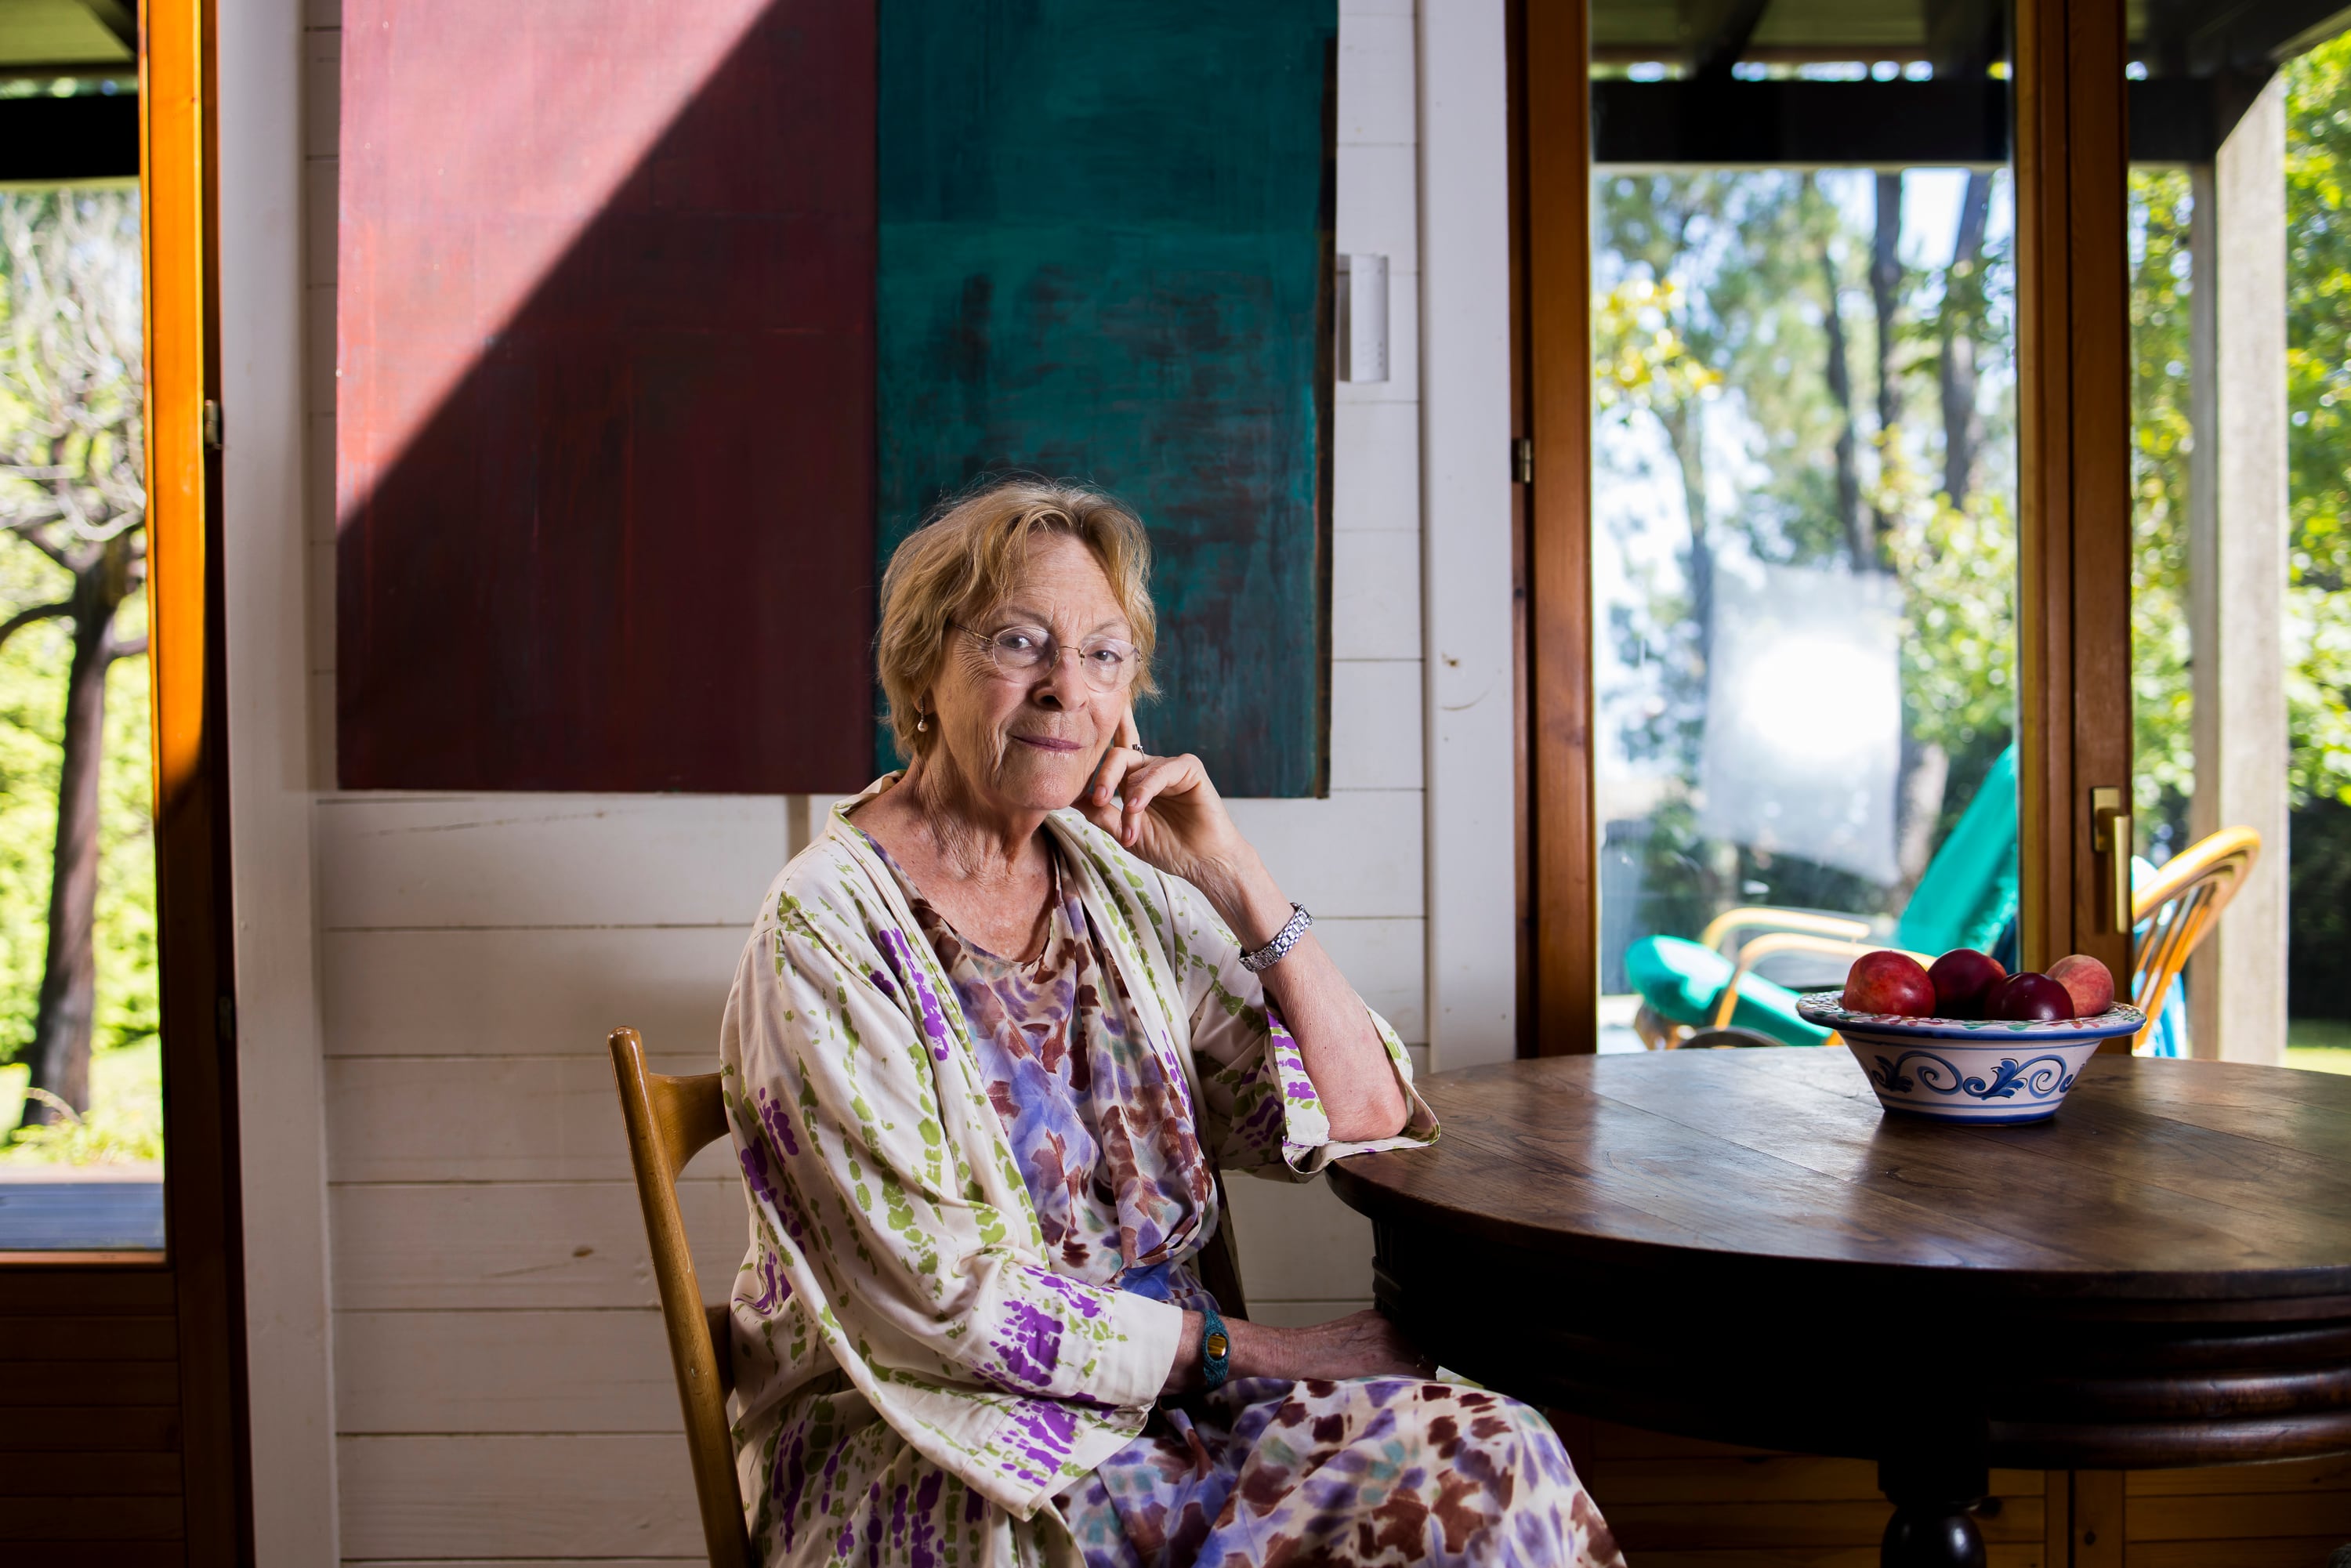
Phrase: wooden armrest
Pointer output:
(1757, 914)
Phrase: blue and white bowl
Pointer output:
(1984, 1071)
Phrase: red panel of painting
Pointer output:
(604, 464)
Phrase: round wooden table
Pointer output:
(1739, 1245)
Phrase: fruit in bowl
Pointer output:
(2012, 1061)
(1963, 977)
(1889, 982)
(2030, 998)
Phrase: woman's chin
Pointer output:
(1042, 781)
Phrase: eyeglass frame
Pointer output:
(1051, 660)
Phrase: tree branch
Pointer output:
(129, 650)
(23, 618)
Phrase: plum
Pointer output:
(2028, 997)
(1962, 978)
(1889, 982)
(2090, 983)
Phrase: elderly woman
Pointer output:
(994, 1034)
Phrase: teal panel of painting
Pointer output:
(1105, 250)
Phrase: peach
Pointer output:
(2090, 983)
(1888, 982)
(1962, 978)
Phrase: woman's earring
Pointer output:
(922, 723)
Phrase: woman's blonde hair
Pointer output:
(963, 562)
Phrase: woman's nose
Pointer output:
(1067, 684)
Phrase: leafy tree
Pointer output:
(73, 508)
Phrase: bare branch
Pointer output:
(131, 649)
(41, 542)
(23, 618)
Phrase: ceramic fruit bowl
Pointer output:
(1984, 1071)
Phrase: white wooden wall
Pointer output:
(500, 1387)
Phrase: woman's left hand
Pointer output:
(1165, 810)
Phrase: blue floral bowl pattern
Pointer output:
(1985, 1071)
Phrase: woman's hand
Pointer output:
(1165, 810)
(1361, 1345)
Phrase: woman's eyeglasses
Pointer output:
(1026, 653)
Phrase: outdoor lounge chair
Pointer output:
(1966, 899)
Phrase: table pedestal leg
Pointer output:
(1932, 1527)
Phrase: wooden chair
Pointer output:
(2176, 907)
(670, 1120)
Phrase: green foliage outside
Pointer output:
(125, 1120)
(1744, 317)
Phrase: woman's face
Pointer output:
(1030, 742)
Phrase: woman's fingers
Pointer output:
(1150, 778)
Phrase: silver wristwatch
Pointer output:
(1273, 952)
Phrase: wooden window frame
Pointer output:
(2074, 503)
(189, 1298)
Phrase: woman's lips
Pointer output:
(1047, 742)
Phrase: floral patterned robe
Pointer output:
(901, 1332)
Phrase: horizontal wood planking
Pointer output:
(1375, 596)
(521, 1244)
(1301, 1314)
(1375, 724)
(2330, 1474)
(1356, 854)
(50, 1291)
(1298, 1243)
(1760, 1477)
(498, 1118)
(545, 859)
(504, 1372)
(122, 1429)
(1375, 473)
(557, 1496)
(91, 1518)
(1642, 1528)
(90, 1383)
(2005, 1555)
(94, 1338)
(58, 1474)
(528, 992)
(2295, 1552)
(2238, 1518)
(109, 1553)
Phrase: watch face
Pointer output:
(1218, 1346)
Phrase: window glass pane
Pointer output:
(1804, 549)
(81, 1132)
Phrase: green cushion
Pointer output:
(1969, 892)
(1683, 981)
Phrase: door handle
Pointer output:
(2110, 836)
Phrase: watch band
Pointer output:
(1216, 1348)
(1273, 952)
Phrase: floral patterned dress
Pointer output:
(979, 1185)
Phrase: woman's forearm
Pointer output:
(1343, 1050)
(1363, 1344)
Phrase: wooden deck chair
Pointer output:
(670, 1120)
(2176, 907)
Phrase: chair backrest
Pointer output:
(2177, 906)
(1968, 890)
(669, 1121)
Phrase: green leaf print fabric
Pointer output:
(898, 1293)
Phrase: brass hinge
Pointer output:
(212, 424)
(1522, 461)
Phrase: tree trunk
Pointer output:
(62, 1029)
(1962, 424)
(1885, 294)
(1840, 378)
(60, 1052)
